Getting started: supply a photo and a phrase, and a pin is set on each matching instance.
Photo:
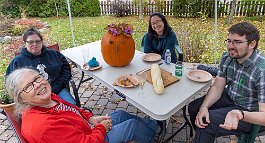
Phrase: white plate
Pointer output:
(151, 57)
(124, 81)
(86, 67)
(203, 75)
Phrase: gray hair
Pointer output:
(12, 83)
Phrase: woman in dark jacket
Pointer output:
(160, 37)
(50, 63)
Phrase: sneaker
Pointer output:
(212, 70)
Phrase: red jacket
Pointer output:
(47, 125)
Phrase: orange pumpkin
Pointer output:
(117, 50)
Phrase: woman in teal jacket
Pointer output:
(160, 37)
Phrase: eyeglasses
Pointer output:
(235, 42)
(37, 42)
(156, 22)
(30, 85)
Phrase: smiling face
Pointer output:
(157, 25)
(39, 95)
(33, 44)
(239, 48)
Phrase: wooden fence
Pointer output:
(243, 8)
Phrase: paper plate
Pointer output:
(203, 75)
(86, 67)
(151, 57)
(127, 81)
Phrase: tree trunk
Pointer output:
(232, 12)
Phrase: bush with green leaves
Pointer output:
(5, 98)
(49, 8)
(10, 8)
(85, 8)
(195, 8)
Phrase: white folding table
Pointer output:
(159, 107)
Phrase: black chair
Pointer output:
(179, 52)
(71, 81)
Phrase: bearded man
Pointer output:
(236, 100)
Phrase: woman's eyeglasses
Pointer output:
(156, 22)
(37, 42)
(235, 42)
(30, 85)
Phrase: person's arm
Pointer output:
(147, 46)
(62, 130)
(64, 76)
(233, 117)
(256, 117)
(171, 45)
(212, 96)
(12, 66)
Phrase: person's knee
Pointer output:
(121, 112)
(132, 123)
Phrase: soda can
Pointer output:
(179, 69)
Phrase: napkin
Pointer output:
(93, 62)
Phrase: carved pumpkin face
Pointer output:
(117, 50)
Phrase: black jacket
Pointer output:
(56, 66)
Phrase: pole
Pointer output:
(215, 30)
(71, 25)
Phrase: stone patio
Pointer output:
(102, 101)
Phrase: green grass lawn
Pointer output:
(195, 35)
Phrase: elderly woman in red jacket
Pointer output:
(47, 118)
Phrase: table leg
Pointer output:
(120, 94)
(187, 122)
(82, 80)
(164, 130)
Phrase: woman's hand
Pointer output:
(97, 119)
(231, 120)
(202, 118)
(107, 124)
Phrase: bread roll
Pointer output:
(157, 79)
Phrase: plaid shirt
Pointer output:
(246, 81)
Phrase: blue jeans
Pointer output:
(127, 127)
(66, 96)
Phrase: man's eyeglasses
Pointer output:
(37, 42)
(156, 22)
(30, 85)
(235, 42)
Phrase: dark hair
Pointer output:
(31, 31)
(167, 28)
(245, 28)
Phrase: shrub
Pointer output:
(23, 24)
(19, 29)
(93, 8)
(85, 7)
(9, 8)
(194, 8)
(5, 98)
(120, 8)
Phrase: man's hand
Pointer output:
(97, 119)
(202, 118)
(231, 120)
